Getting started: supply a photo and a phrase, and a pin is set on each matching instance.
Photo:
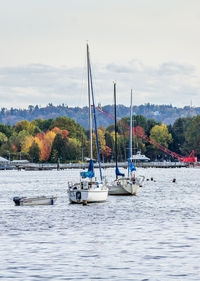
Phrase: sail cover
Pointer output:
(90, 172)
(118, 173)
(132, 167)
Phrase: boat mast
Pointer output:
(131, 124)
(131, 131)
(116, 156)
(89, 101)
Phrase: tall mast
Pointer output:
(89, 101)
(116, 156)
(130, 137)
(131, 133)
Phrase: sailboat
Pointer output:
(124, 185)
(88, 189)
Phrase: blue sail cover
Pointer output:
(132, 167)
(118, 173)
(90, 172)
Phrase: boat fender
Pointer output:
(51, 201)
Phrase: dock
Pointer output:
(54, 166)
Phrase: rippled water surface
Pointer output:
(153, 236)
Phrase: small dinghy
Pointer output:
(32, 201)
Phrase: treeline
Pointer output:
(166, 114)
(64, 140)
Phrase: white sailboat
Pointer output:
(89, 190)
(125, 185)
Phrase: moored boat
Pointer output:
(88, 189)
(33, 201)
(124, 185)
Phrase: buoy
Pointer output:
(152, 179)
(174, 180)
(147, 179)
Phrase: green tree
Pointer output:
(150, 124)
(17, 139)
(64, 123)
(43, 125)
(192, 137)
(178, 132)
(6, 129)
(3, 138)
(26, 126)
(34, 152)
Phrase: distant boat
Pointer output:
(32, 201)
(138, 157)
(124, 185)
(89, 190)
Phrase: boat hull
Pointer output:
(123, 189)
(79, 194)
(125, 186)
(23, 201)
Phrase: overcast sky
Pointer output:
(151, 46)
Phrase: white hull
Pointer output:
(79, 193)
(125, 186)
(34, 201)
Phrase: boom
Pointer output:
(190, 158)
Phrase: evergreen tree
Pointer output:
(34, 152)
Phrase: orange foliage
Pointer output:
(45, 142)
(56, 130)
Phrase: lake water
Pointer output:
(152, 236)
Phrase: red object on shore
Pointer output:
(190, 158)
(140, 133)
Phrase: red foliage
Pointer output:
(40, 136)
(107, 151)
(65, 134)
(45, 151)
(138, 131)
(14, 148)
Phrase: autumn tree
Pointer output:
(26, 126)
(64, 123)
(160, 135)
(28, 140)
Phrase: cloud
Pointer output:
(168, 83)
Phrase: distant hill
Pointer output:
(164, 113)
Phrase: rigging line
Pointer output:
(95, 121)
(96, 85)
